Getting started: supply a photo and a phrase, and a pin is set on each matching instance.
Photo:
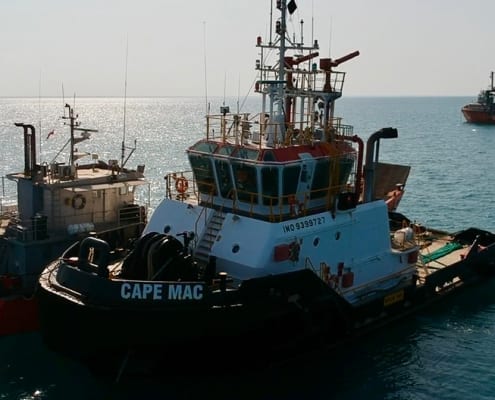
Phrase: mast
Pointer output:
(74, 126)
(281, 30)
(290, 90)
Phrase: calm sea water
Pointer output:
(447, 352)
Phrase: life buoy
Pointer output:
(181, 184)
(78, 202)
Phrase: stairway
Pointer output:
(202, 250)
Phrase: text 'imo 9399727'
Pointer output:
(285, 230)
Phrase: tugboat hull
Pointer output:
(269, 316)
(98, 331)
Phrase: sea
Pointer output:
(444, 352)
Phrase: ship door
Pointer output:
(305, 178)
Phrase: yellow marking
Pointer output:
(393, 298)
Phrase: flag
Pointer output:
(50, 134)
(291, 6)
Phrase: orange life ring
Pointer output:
(181, 184)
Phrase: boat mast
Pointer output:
(281, 30)
(72, 124)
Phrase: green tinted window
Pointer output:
(290, 181)
(205, 147)
(224, 179)
(245, 182)
(321, 179)
(346, 165)
(269, 184)
(248, 154)
(203, 173)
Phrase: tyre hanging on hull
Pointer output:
(159, 257)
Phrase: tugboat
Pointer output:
(285, 232)
(57, 205)
(483, 111)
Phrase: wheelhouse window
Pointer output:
(290, 181)
(224, 178)
(245, 181)
(269, 185)
(226, 150)
(346, 165)
(203, 173)
(321, 179)
(246, 154)
(205, 147)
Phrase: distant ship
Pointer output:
(483, 111)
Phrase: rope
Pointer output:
(442, 251)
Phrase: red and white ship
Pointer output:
(282, 237)
(483, 111)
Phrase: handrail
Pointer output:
(277, 207)
(238, 128)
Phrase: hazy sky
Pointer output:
(419, 47)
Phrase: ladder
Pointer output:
(213, 228)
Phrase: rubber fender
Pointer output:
(133, 267)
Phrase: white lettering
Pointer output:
(136, 292)
(185, 292)
(174, 292)
(157, 292)
(187, 295)
(198, 292)
(154, 291)
(141, 291)
(147, 289)
(125, 290)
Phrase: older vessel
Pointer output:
(483, 110)
(284, 231)
(58, 204)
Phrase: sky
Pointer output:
(163, 48)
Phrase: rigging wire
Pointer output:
(63, 99)
(224, 86)
(39, 112)
(204, 61)
(125, 103)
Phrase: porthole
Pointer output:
(235, 248)
(316, 241)
(167, 229)
(337, 235)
